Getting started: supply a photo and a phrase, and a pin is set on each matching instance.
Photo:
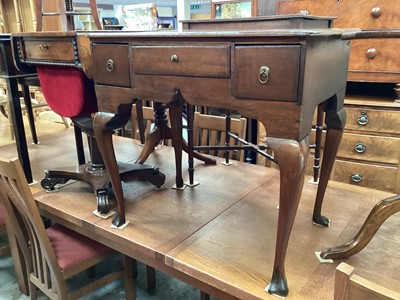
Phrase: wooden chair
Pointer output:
(66, 12)
(54, 254)
(349, 286)
(209, 130)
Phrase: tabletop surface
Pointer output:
(222, 232)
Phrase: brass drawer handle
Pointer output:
(110, 65)
(363, 119)
(360, 148)
(371, 53)
(174, 58)
(304, 12)
(263, 74)
(356, 177)
(376, 12)
(44, 47)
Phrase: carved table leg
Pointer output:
(381, 211)
(175, 112)
(151, 141)
(106, 147)
(291, 156)
(335, 121)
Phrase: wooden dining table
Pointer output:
(221, 241)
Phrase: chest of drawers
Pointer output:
(370, 60)
(369, 153)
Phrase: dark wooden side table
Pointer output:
(294, 71)
(277, 76)
(13, 77)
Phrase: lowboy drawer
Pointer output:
(193, 60)
(370, 148)
(366, 175)
(267, 72)
(373, 120)
(62, 50)
(111, 64)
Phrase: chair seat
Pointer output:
(72, 248)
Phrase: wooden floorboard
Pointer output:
(223, 231)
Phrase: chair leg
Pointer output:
(204, 296)
(29, 111)
(95, 173)
(151, 277)
(129, 266)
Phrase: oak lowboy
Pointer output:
(277, 76)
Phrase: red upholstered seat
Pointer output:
(67, 90)
(72, 248)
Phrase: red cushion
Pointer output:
(67, 90)
(72, 248)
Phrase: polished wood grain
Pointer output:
(55, 50)
(350, 286)
(382, 121)
(232, 246)
(379, 64)
(372, 175)
(377, 148)
(378, 215)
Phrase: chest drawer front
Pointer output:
(54, 50)
(371, 176)
(196, 61)
(111, 64)
(367, 14)
(375, 55)
(370, 148)
(315, 8)
(373, 120)
(267, 72)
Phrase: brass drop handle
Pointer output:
(110, 65)
(363, 119)
(44, 47)
(174, 58)
(263, 74)
(376, 12)
(356, 177)
(371, 53)
(360, 148)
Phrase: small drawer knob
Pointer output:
(304, 12)
(363, 119)
(376, 12)
(174, 58)
(360, 148)
(371, 53)
(263, 74)
(110, 65)
(356, 177)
